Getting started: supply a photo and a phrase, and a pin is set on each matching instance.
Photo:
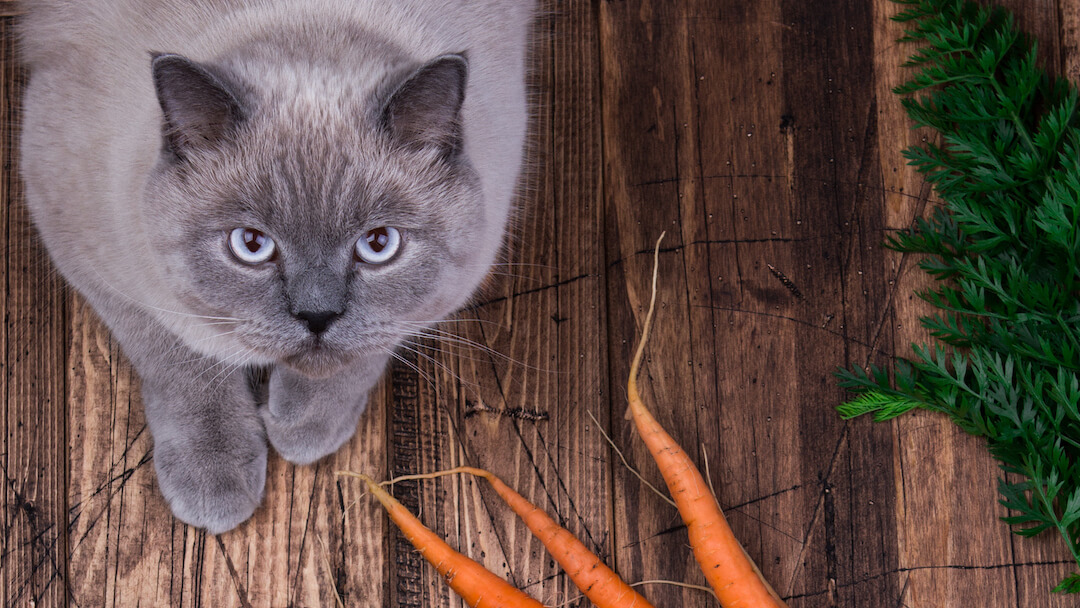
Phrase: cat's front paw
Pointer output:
(307, 439)
(307, 419)
(216, 489)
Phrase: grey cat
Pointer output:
(289, 186)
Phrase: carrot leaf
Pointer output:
(1005, 250)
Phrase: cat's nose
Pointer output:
(317, 322)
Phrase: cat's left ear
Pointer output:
(425, 110)
(200, 108)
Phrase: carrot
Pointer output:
(599, 583)
(730, 571)
(475, 584)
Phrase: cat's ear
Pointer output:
(424, 110)
(200, 108)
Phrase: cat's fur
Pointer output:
(155, 127)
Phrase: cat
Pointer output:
(281, 188)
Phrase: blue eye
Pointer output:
(251, 246)
(378, 246)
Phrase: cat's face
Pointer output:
(312, 229)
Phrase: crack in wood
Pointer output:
(909, 569)
(76, 511)
(786, 282)
(735, 508)
(846, 338)
(311, 510)
(772, 176)
(473, 408)
(43, 548)
(534, 290)
(559, 517)
(122, 476)
(241, 592)
(819, 503)
(842, 234)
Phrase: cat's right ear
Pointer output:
(425, 109)
(200, 108)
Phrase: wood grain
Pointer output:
(34, 444)
(763, 136)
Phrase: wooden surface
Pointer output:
(762, 136)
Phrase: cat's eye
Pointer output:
(251, 246)
(378, 246)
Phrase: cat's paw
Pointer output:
(216, 489)
(307, 419)
(305, 440)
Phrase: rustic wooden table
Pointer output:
(763, 137)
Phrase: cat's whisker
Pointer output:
(515, 264)
(426, 324)
(465, 385)
(165, 310)
(445, 336)
(455, 350)
(209, 338)
(415, 348)
(459, 353)
(187, 346)
(442, 336)
(223, 362)
(520, 277)
(410, 365)
(188, 361)
(433, 329)
(229, 371)
(240, 366)
(453, 339)
(213, 323)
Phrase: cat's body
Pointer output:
(315, 125)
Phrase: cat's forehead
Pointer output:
(331, 176)
(291, 73)
(312, 151)
(310, 90)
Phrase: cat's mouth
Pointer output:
(317, 360)
(318, 356)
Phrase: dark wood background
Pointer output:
(763, 137)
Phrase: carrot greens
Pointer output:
(1005, 247)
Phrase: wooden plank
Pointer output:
(924, 445)
(769, 128)
(10, 8)
(850, 553)
(32, 558)
(647, 100)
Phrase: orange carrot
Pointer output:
(599, 583)
(474, 583)
(730, 571)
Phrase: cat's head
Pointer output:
(310, 219)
